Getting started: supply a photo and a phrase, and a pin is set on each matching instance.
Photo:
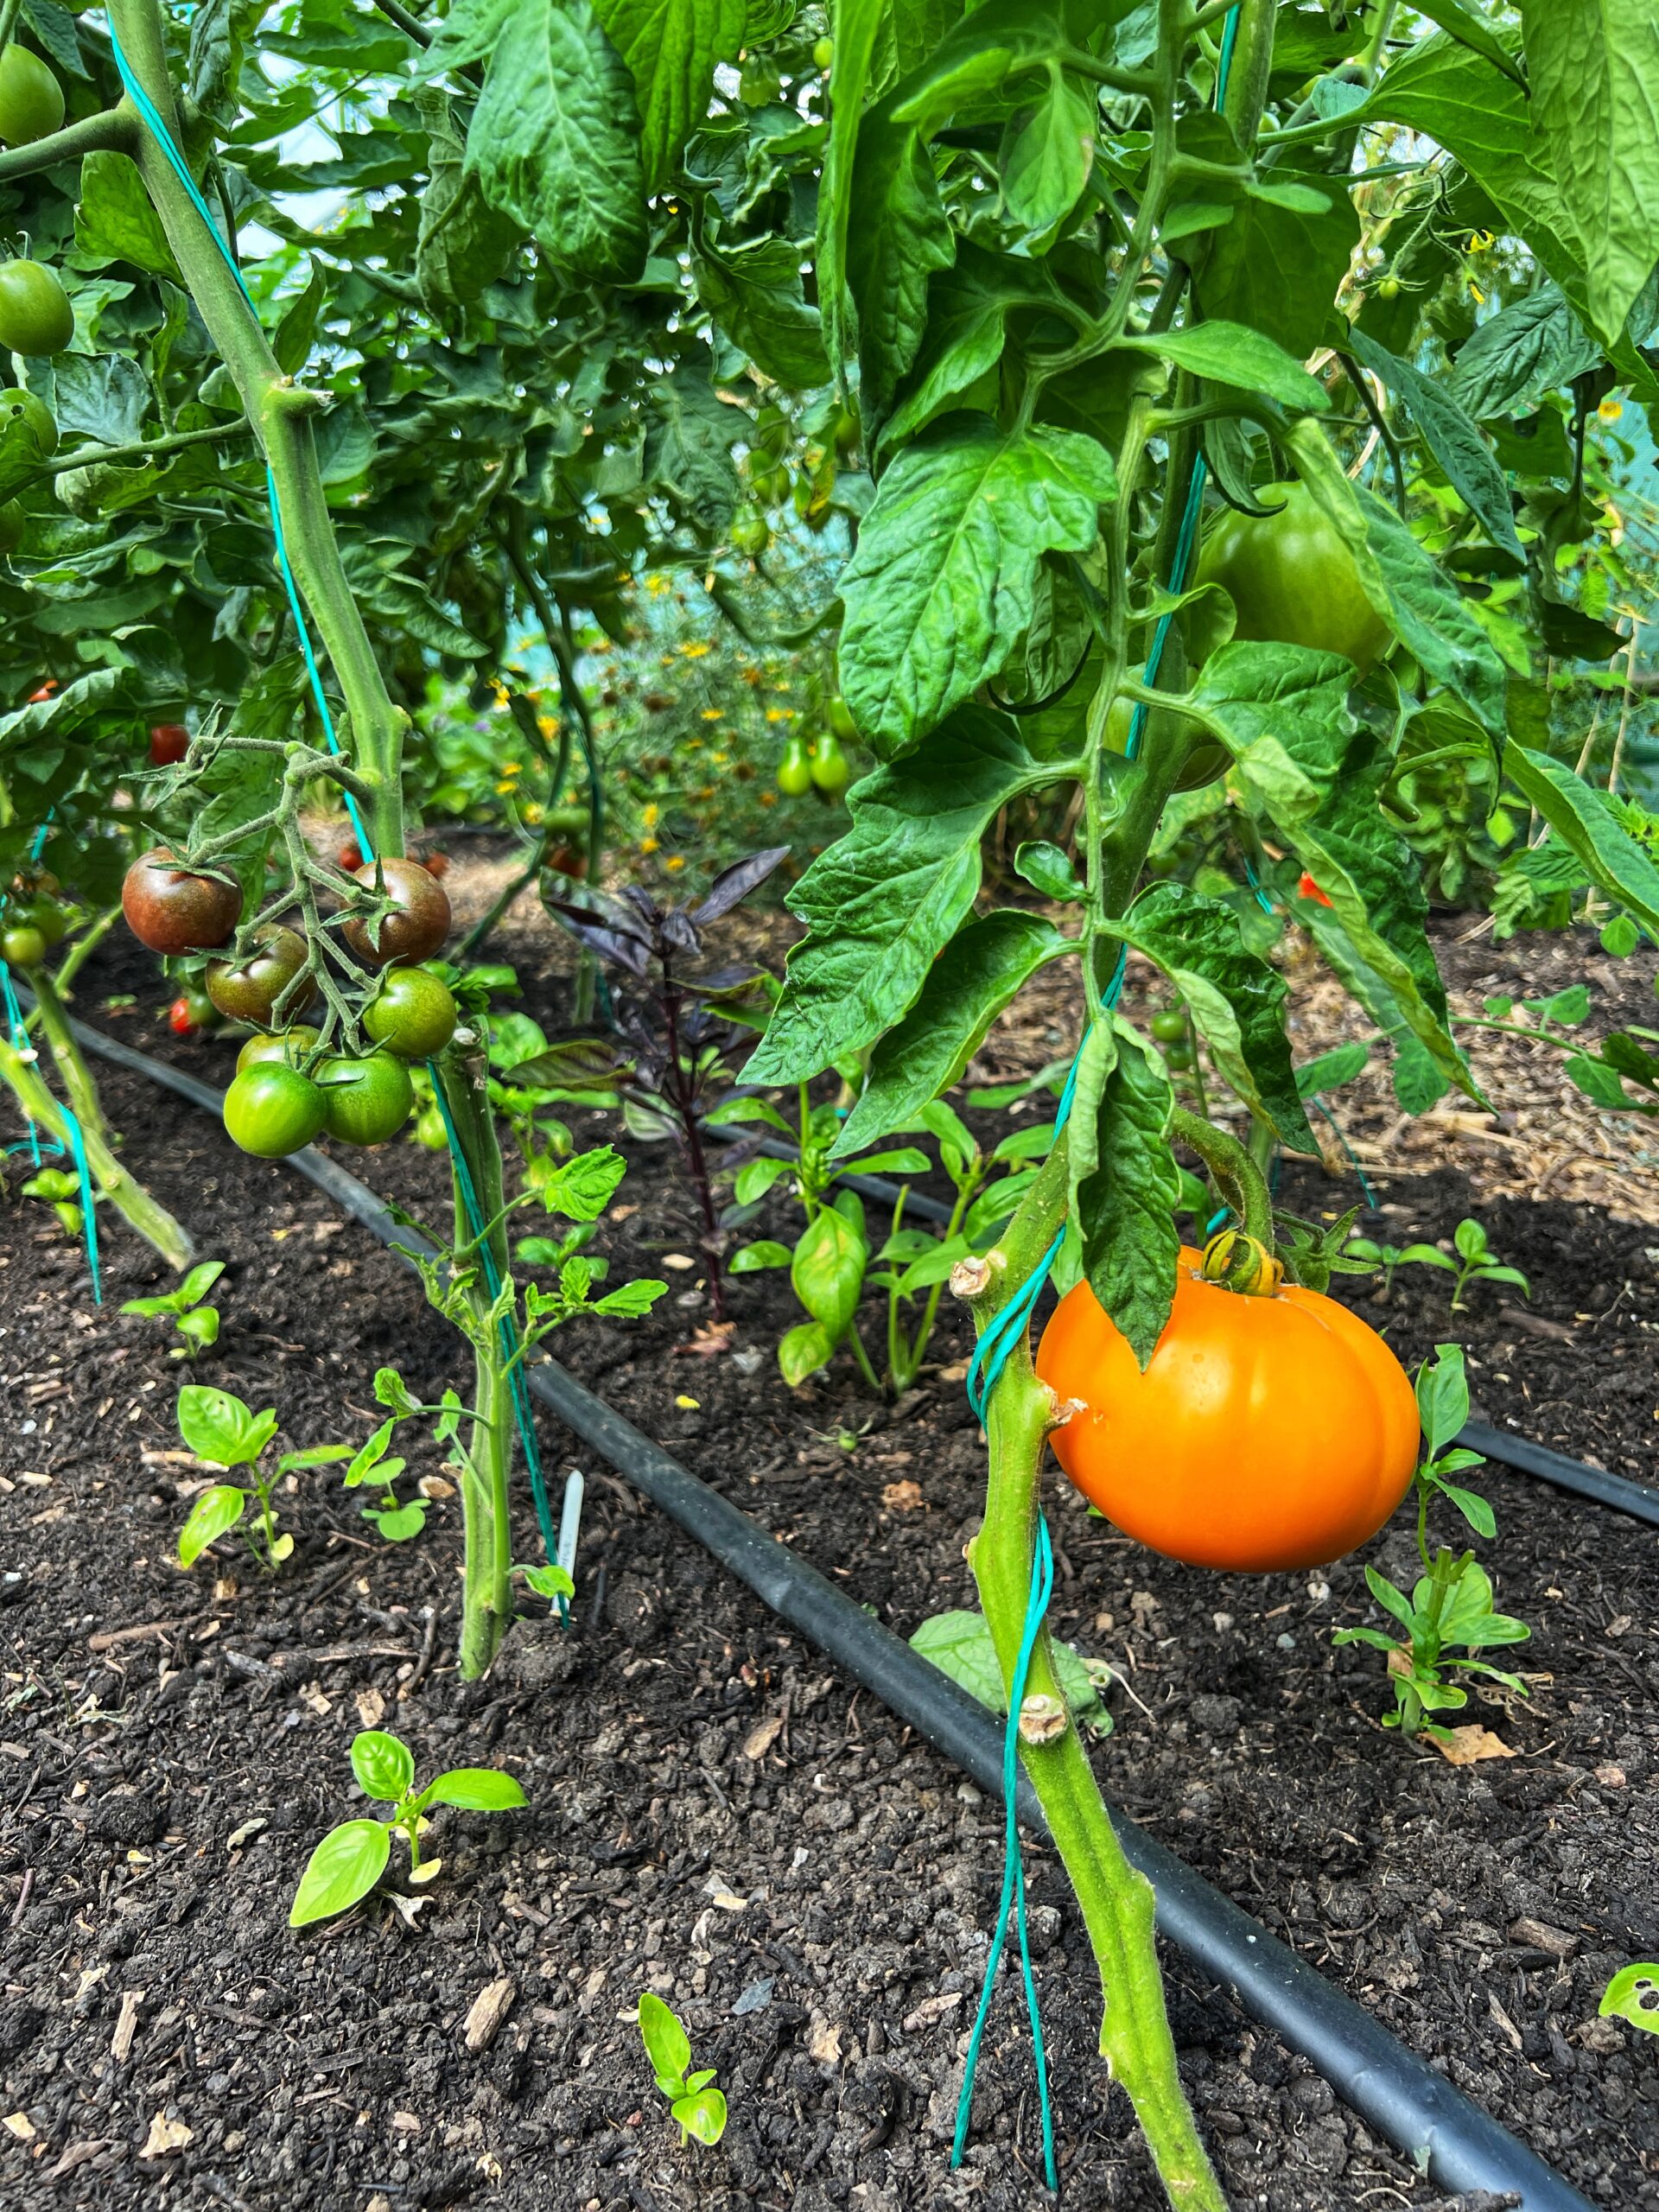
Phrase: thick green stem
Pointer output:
(1230, 1163)
(280, 413)
(486, 1598)
(114, 131)
(153, 1222)
(1116, 1900)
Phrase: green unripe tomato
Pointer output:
(1293, 580)
(824, 54)
(365, 1101)
(794, 770)
(35, 316)
(23, 945)
(287, 1049)
(1178, 1059)
(429, 1130)
(1169, 1027)
(414, 1014)
(839, 715)
(28, 407)
(751, 532)
(271, 1110)
(13, 523)
(31, 98)
(828, 766)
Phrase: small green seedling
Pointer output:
(58, 1189)
(1633, 1995)
(196, 1323)
(692, 2098)
(1472, 1260)
(1450, 1608)
(550, 1581)
(351, 1859)
(220, 1429)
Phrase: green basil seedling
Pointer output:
(220, 1429)
(692, 2098)
(351, 1859)
(196, 1323)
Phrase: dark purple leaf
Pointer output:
(733, 885)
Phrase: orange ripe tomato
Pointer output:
(1266, 1434)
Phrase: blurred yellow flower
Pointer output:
(780, 714)
(1610, 410)
(535, 814)
(713, 714)
(648, 845)
(674, 860)
(652, 815)
(695, 648)
(768, 798)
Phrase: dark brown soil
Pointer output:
(814, 1898)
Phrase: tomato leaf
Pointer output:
(1452, 438)
(1125, 1183)
(884, 899)
(554, 140)
(1419, 603)
(1233, 353)
(942, 583)
(1593, 74)
(974, 978)
(343, 1869)
(857, 23)
(1588, 823)
(671, 48)
(1235, 998)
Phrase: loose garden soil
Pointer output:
(714, 1813)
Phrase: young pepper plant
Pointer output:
(195, 1321)
(1448, 1618)
(221, 1428)
(352, 1857)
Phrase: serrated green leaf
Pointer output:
(1418, 603)
(1236, 999)
(671, 47)
(1452, 439)
(884, 899)
(1125, 1183)
(941, 585)
(554, 139)
(975, 977)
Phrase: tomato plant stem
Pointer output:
(485, 1505)
(129, 1196)
(1116, 1900)
(282, 414)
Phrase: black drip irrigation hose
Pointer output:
(1459, 2146)
(1640, 1501)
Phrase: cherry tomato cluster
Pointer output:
(287, 1089)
